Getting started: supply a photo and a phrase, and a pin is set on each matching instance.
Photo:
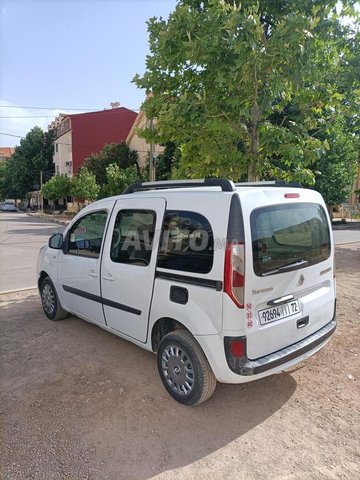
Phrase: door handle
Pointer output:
(109, 278)
(93, 274)
(278, 301)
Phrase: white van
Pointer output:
(224, 282)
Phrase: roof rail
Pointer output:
(225, 184)
(271, 183)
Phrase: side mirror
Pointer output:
(56, 241)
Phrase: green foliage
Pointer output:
(84, 186)
(222, 73)
(336, 170)
(21, 173)
(57, 187)
(114, 153)
(3, 187)
(118, 179)
(167, 162)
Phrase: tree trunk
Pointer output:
(254, 152)
(330, 210)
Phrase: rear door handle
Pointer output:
(278, 301)
(93, 274)
(109, 278)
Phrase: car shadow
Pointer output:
(105, 403)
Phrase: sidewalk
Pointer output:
(353, 224)
(59, 219)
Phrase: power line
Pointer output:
(65, 109)
(32, 116)
(52, 116)
(47, 108)
(11, 135)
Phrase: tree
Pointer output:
(22, 170)
(57, 187)
(118, 179)
(219, 69)
(84, 186)
(167, 162)
(335, 172)
(113, 153)
(3, 186)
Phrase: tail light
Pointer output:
(234, 272)
(235, 352)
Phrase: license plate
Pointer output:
(278, 312)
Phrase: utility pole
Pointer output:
(152, 173)
(41, 196)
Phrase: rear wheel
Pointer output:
(184, 369)
(50, 301)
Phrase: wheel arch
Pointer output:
(42, 277)
(162, 327)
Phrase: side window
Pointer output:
(86, 235)
(187, 242)
(133, 236)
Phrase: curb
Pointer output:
(50, 219)
(347, 243)
(6, 292)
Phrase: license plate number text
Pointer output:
(278, 312)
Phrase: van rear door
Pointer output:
(289, 284)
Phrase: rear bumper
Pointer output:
(246, 367)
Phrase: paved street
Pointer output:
(21, 237)
(347, 234)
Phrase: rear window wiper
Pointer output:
(286, 266)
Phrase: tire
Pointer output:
(184, 369)
(50, 301)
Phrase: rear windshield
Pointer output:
(287, 237)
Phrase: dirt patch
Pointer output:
(80, 403)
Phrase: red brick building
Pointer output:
(77, 136)
(6, 152)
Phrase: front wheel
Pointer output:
(184, 369)
(50, 301)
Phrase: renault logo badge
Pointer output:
(301, 280)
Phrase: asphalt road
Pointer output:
(21, 237)
(345, 235)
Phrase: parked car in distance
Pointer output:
(9, 207)
(223, 282)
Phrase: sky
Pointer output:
(70, 56)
